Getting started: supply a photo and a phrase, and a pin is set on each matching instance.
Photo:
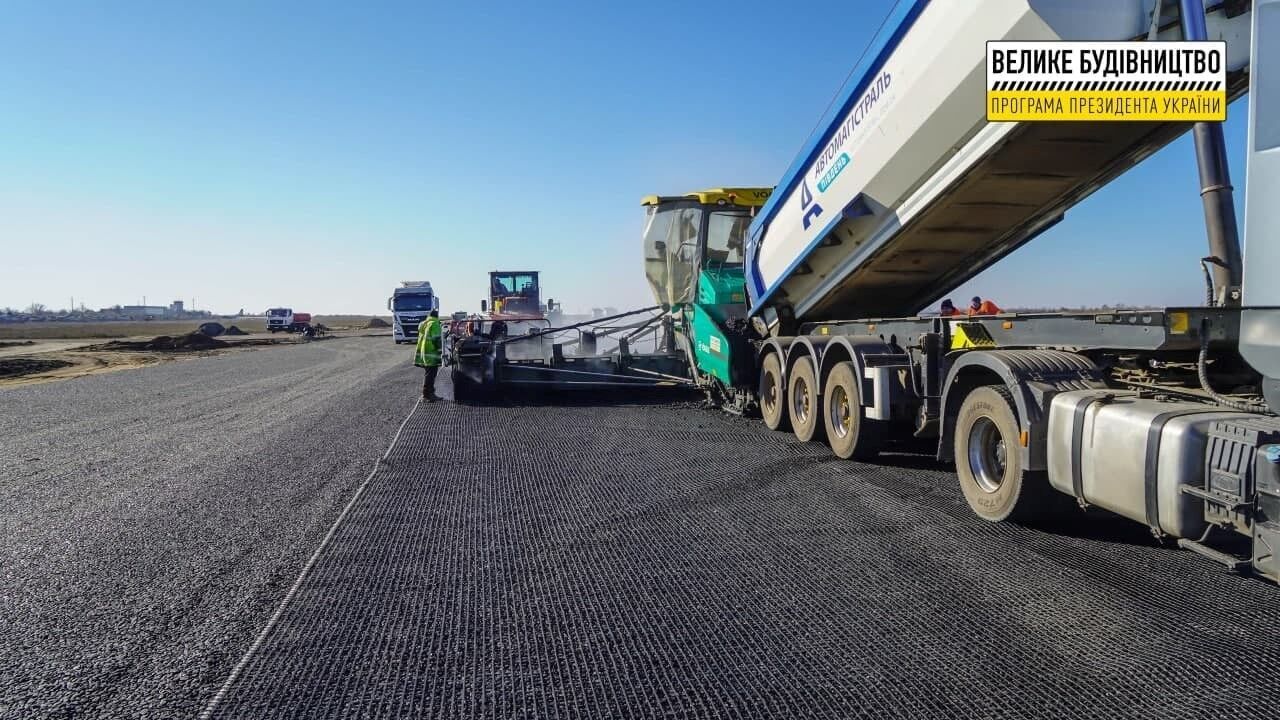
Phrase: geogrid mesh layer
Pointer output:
(659, 561)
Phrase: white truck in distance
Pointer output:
(279, 319)
(409, 305)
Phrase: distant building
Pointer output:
(176, 307)
(144, 311)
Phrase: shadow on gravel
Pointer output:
(513, 397)
(1066, 519)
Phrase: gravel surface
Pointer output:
(151, 520)
(647, 561)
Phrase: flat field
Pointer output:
(155, 328)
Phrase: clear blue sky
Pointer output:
(315, 153)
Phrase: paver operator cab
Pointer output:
(1167, 417)
(515, 293)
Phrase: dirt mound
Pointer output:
(15, 367)
(233, 330)
(19, 343)
(211, 329)
(192, 342)
(377, 323)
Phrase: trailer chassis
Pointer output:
(1050, 396)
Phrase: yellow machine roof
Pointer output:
(746, 197)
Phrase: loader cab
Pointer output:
(694, 244)
(515, 292)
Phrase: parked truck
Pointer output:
(409, 305)
(803, 300)
(279, 319)
(284, 319)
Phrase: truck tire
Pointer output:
(772, 393)
(988, 463)
(850, 435)
(804, 401)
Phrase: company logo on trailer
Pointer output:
(811, 208)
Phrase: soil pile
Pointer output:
(233, 330)
(192, 342)
(377, 323)
(15, 367)
(17, 343)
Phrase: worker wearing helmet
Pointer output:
(978, 306)
(948, 309)
(430, 344)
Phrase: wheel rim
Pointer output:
(769, 392)
(841, 412)
(800, 400)
(988, 455)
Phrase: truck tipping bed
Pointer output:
(918, 191)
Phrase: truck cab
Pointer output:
(279, 319)
(409, 305)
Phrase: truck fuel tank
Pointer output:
(1129, 455)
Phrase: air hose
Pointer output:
(1203, 373)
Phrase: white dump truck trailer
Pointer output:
(1167, 417)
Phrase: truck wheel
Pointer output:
(988, 462)
(849, 433)
(804, 403)
(773, 396)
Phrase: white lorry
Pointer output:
(279, 319)
(409, 305)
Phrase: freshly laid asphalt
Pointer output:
(543, 560)
(551, 559)
(151, 519)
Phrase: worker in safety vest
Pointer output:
(430, 344)
(978, 306)
(948, 309)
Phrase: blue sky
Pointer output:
(248, 154)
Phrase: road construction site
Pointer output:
(287, 533)
(50, 352)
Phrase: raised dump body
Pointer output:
(908, 191)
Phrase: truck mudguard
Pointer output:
(1032, 376)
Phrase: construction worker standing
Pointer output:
(430, 343)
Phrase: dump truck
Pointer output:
(279, 319)
(283, 319)
(803, 301)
